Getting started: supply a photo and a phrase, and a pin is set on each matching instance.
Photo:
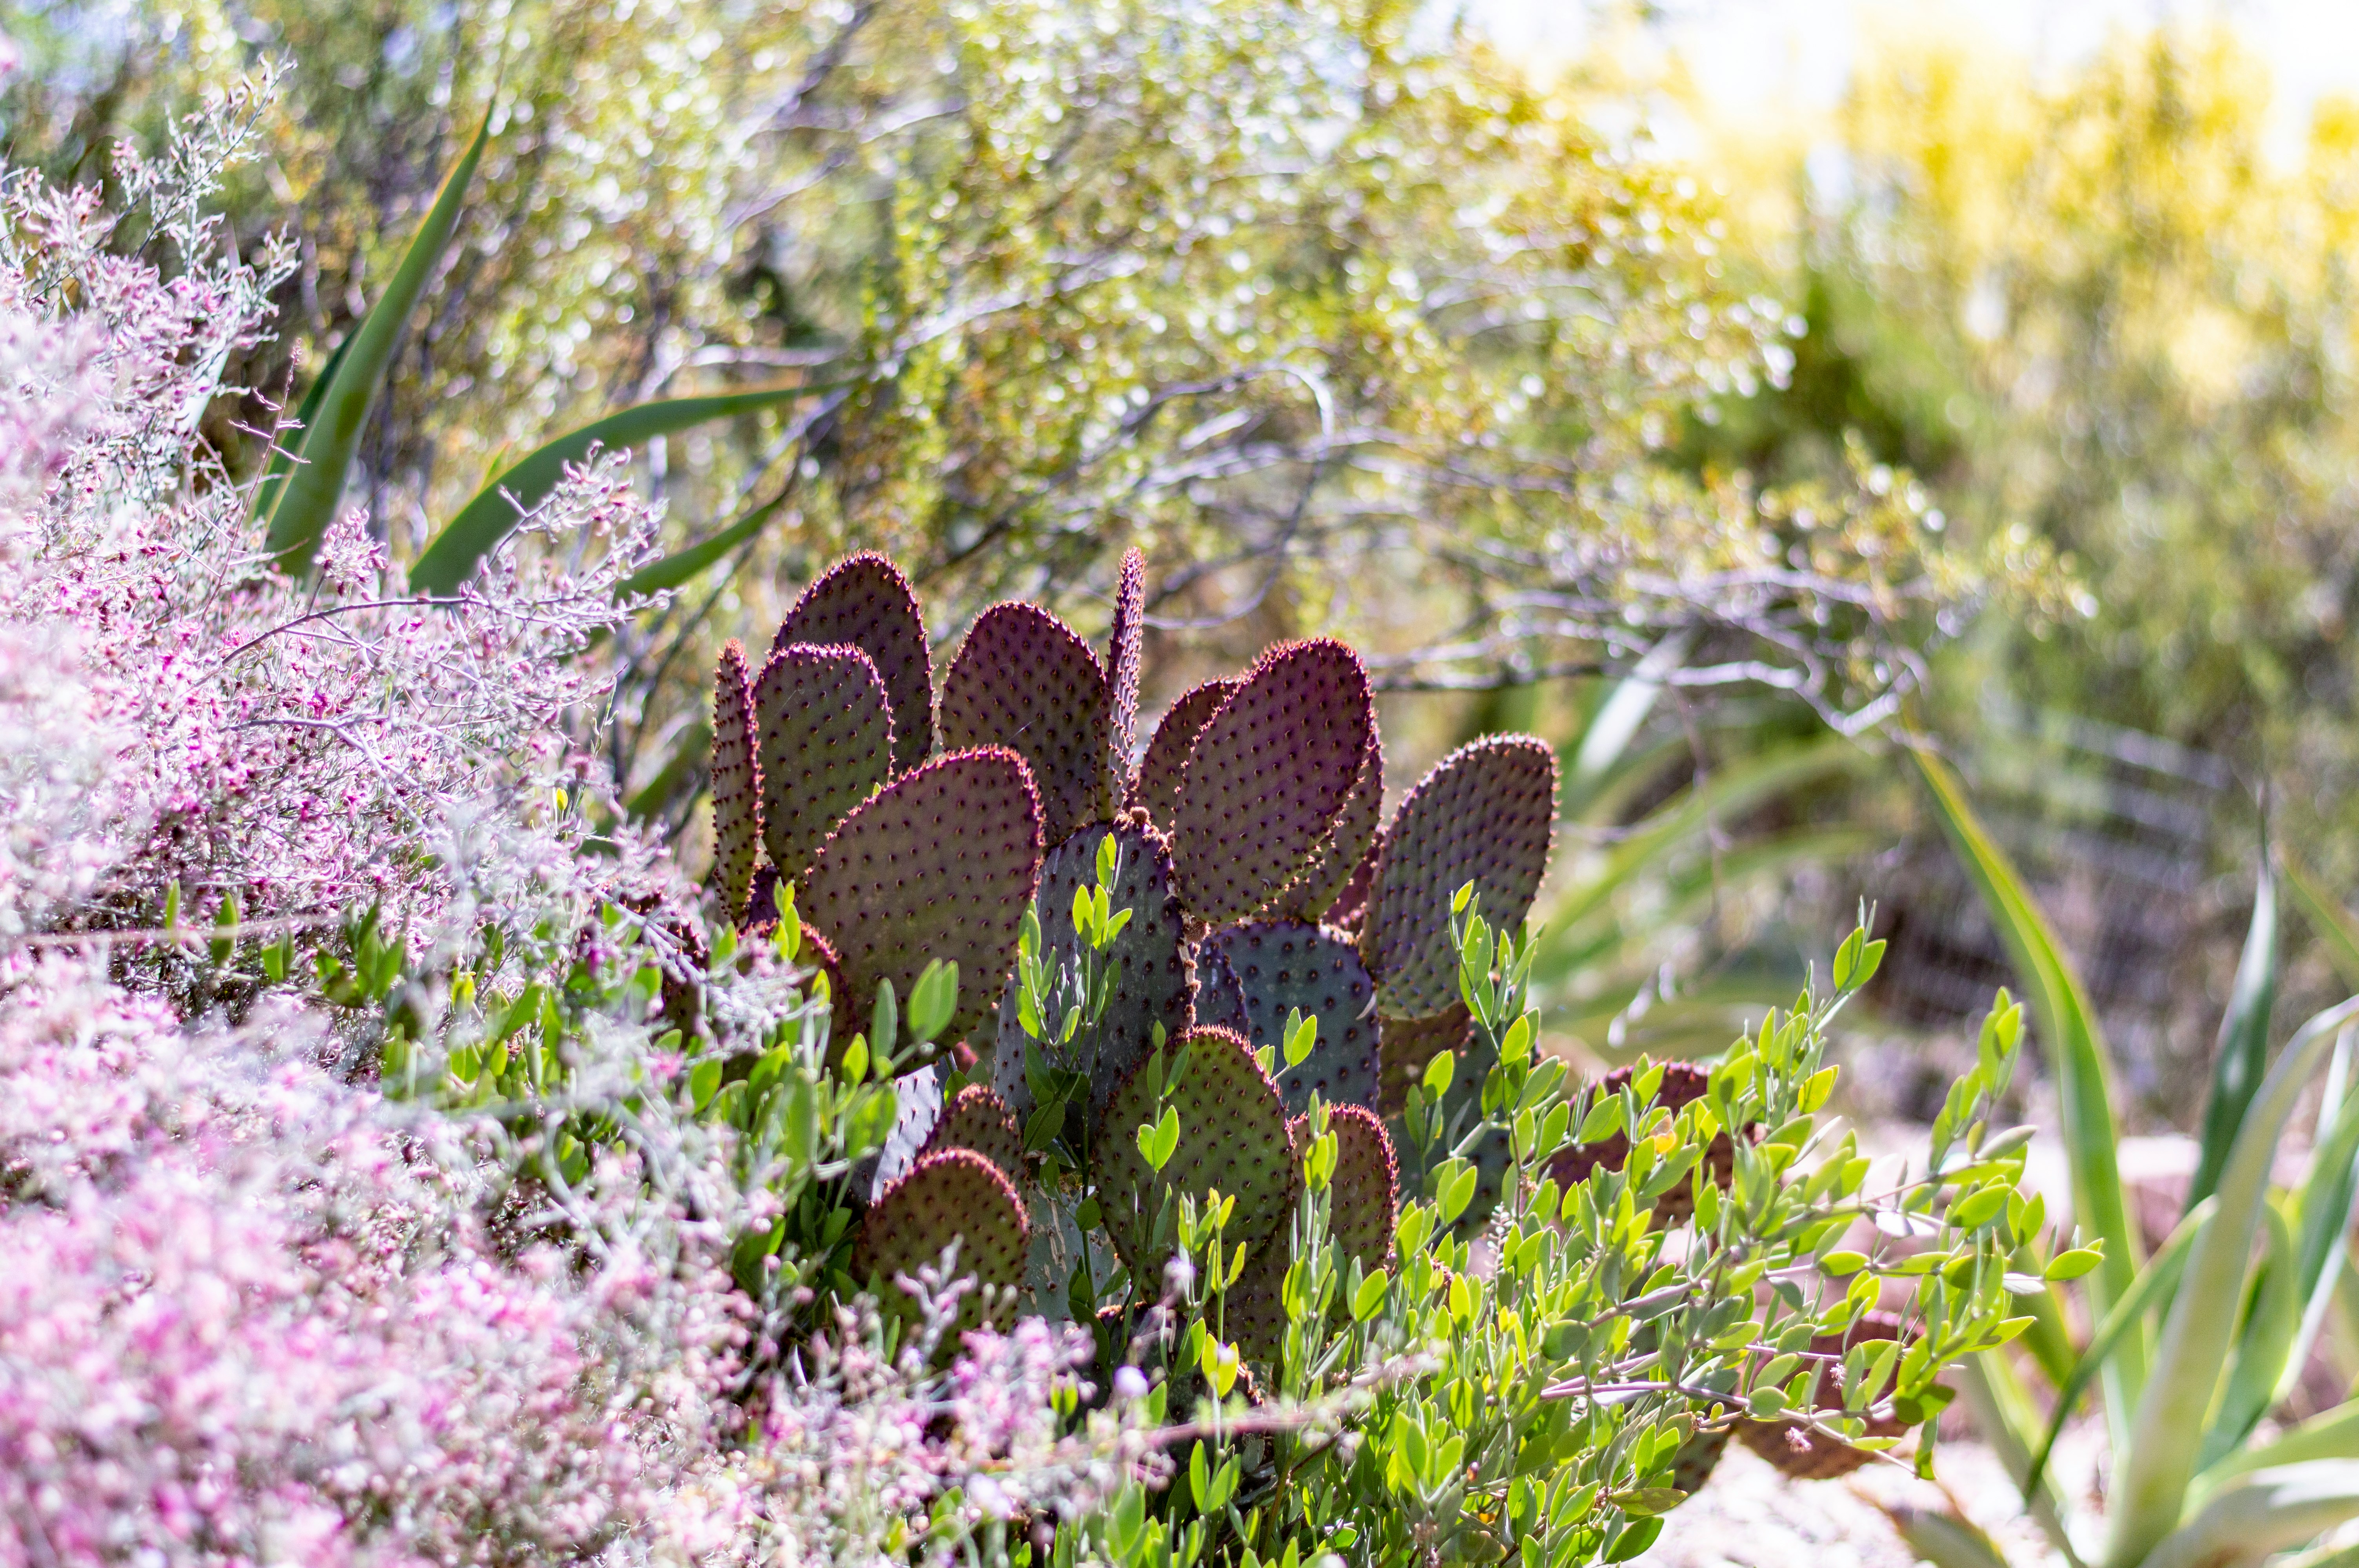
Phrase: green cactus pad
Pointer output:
(1409, 1044)
(1024, 679)
(1233, 1139)
(736, 790)
(1283, 966)
(1267, 776)
(1321, 886)
(1486, 813)
(978, 1120)
(1365, 1192)
(824, 737)
(938, 864)
(1155, 788)
(952, 1194)
(864, 601)
(1220, 995)
(1156, 982)
(1124, 654)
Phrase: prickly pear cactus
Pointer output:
(736, 790)
(1808, 1455)
(1283, 966)
(1155, 788)
(1267, 776)
(952, 1194)
(1124, 653)
(1409, 1044)
(1155, 981)
(1316, 894)
(1486, 813)
(864, 601)
(1026, 680)
(1365, 1188)
(1233, 1139)
(940, 864)
(978, 1120)
(824, 736)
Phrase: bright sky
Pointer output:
(1755, 53)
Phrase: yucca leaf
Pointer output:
(2263, 1512)
(2155, 1283)
(2067, 1025)
(2327, 1194)
(2006, 1419)
(2244, 1049)
(306, 500)
(684, 565)
(2154, 1471)
(1942, 1538)
(2330, 1434)
(2337, 932)
(307, 413)
(454, 553)
(2270, 1325)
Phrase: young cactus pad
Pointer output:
(1153, 980)
(1267, 776)
(1233, 1139)
(1156, 788)
(1026, 680)
(1486, 814)
(978, 1120)
(737, 793)
(824, 735)
(863, 601)
(1284, 967)
(938, 864)
(1125, 651)
(1365, 1188)
(1316, 893)
(952, 1194)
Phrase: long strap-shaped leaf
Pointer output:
(2244, 1049)
(2068, 1024)
(2327, 1197)
(2330, 1434)
(2154, 1282)
(493, 514)
(2337, 932)
(2263, 1513)
(2262, 1345)
(2204, 1316)
(306, 501)
(307, 413)
(684, 565)
(2003, 1413)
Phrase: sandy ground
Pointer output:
(1749, 1516)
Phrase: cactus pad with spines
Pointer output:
(1267, 776)
(1486, 813)
(863, 601)
(736, 790)
(1805, 1454)
(1155, 983)
(1319, 890)
(1025, 680)
(940, 864)
(1125, 651)
(978, 1120)
(824, 737)
(1411, 1044)
(1365, 1188)
(1155, 789)
(1283, 966)
(1350, 904)
(1233, 1139)
(1220, 995)
(950, 1195)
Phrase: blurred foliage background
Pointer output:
(2031, 391)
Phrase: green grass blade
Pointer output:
(2243, 1049)
(307, 498)
(685, 564)
(455, 554)
(2336, 930)
(2155, 1283)
(283, 456)
(2152, 1476)
(2067, 1025)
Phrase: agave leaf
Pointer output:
(2330, 1434)
(2327, 1196)
(684, 565)
(1605, 738)
(2007, 1418)
(2266, 1511)
(2262, 1345)
(2152, 1481)
(2155, 1283)
(454, 553)
(2244, 1048)
(2068, 1024)
(305, 502)
(2336, 930)
(307, 413)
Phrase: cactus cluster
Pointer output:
(1247, 932)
